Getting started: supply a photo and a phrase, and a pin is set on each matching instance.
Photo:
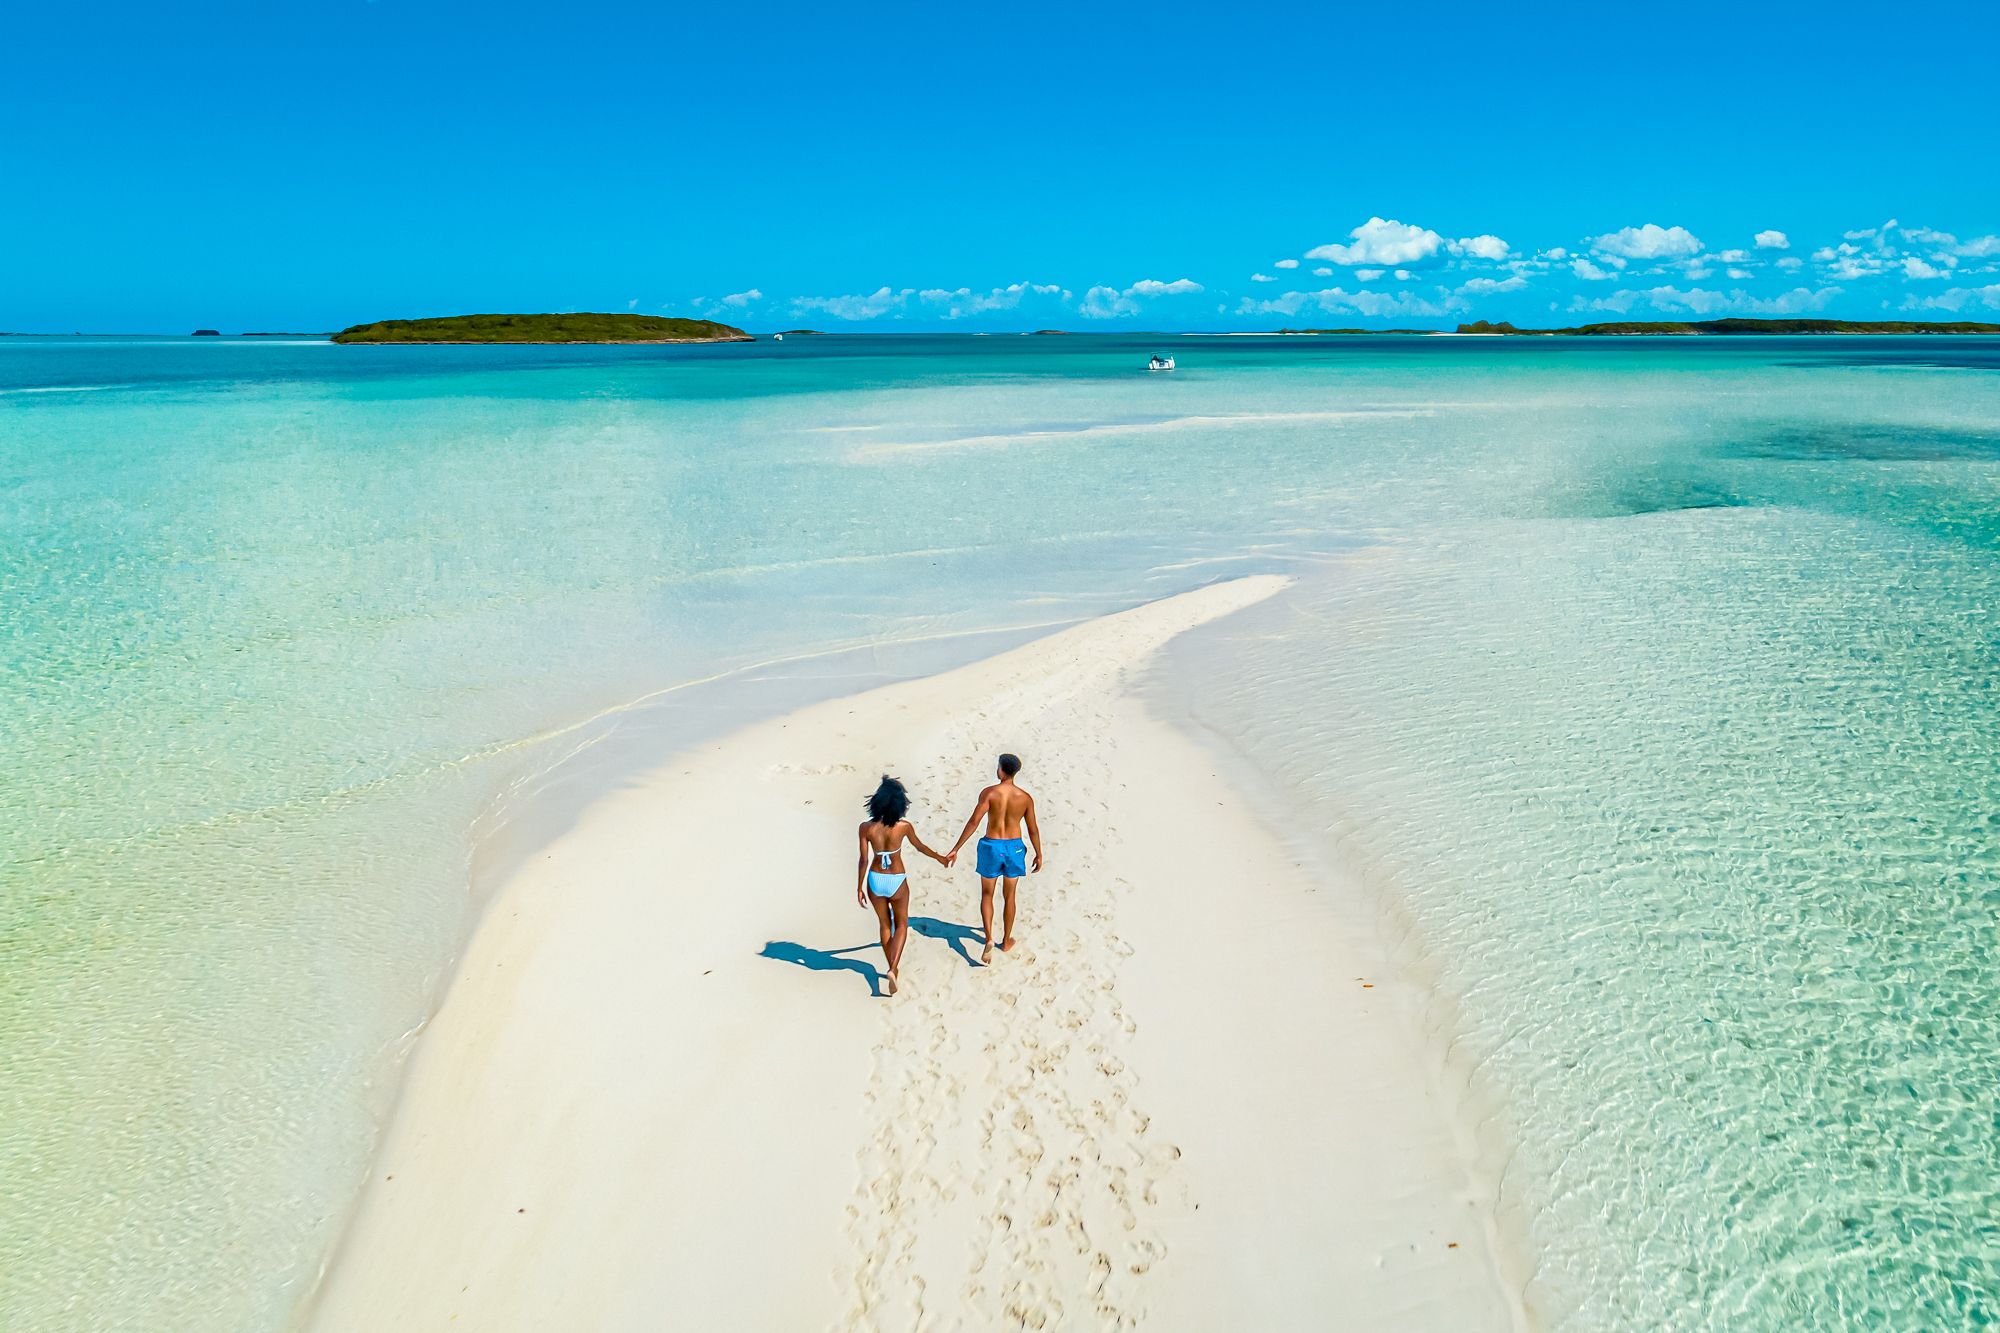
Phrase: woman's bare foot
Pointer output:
(892, 982)
(986, 955)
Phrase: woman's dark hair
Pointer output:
(889, 803)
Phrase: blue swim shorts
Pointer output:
(1002, 858)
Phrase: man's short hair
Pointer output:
(1010, 764)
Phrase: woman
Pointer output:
(882, 882)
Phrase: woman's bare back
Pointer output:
(887, 838)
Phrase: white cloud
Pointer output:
(1616, 303)
(1325, 272)
(1703, 301)
(1403, 275)
(1956, 298)
(1262, 277)
(1288, 304)
(1794, 302)
(1914, 267)
(1488, 286)
(1734, 256)
(1650, 241)
(1363, 274)
(1930, 236)
(1791, 261)
(1334, 299)
(1481, 247)
(1740, 275)
(1382, 241)
(962, 301)
(872, 306)
(1557, 255)
(743, 298)
(1109, 302)
(632, 304)
(1588, 271)
(1286, 263)
(1696, 272)
(1773, 240)
(1980, 246)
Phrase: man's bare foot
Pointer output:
(986, 955)
(1007, 945)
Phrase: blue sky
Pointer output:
(317, 163)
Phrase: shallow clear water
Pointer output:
(1649, 682)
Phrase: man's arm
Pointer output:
(978, 813)
(1035, 836)
(861, 872)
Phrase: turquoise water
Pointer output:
(1647, 685)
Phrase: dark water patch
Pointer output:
(1971, 354)
(1631, 496)
(1835, 442)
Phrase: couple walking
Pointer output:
(882, 883)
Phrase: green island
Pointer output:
(1768, 327)
(563, 328)
(1297, 333)
(802, 333)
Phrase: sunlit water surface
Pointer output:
(1646, 688)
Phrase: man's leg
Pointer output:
(1007, 938)
(986, 916)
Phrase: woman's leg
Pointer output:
(885, 930)
(900, 910)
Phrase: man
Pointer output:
(1002, 859)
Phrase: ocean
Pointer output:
(1641, 689)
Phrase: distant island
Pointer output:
(205, 333)
(565, 328)
(1295, 333)
(1767, 327)
(1050, 333)
(802, 333)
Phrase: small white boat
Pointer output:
(777, 337)
(1160, 362)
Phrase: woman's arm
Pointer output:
(919, 844)
(861, 872)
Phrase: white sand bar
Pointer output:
(661, 1092)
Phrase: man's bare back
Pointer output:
(1006, 805)
(1008, 810)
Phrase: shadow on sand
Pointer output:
(957, 936)
(827, 960)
